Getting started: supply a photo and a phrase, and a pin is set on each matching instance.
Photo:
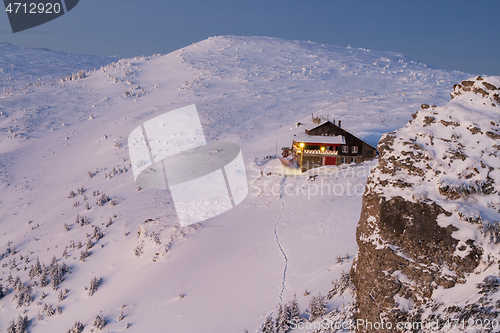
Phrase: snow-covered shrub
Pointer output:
(49, 310)
(102, 200)
(94, 284)
(56, 274)
(283, 319)
(35, 270)
(268, 326)
(317, 307)
(139, 250)
(62, 295)
(22, 294)
(84, 255)
(155, 238)
(2, 293)
(97, 233)
(77, 328)
(19, 326)
(340, 285)
(99, 322)
(82, 220)
(65, 254)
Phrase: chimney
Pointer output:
(340, 123)
(334, 121)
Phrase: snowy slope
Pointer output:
(234, 269)
(20, 66)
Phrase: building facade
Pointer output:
(328, 144)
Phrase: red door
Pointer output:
(330, 161)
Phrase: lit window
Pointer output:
(345, 149)
(354, 149)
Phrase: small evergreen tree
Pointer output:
(317, 307)
(97, 233)
(56, 274)
(44, 280)
(340, 285)
(19, 326)
(22, 295)
(12, 327)
(77, 328)
(35, 270)
(268, 326)
(94, 284)
(61, 296)
(49, 310)
(65, 252)
(31, 273)
(99, 322)
(65, 269)
(84, 255)
(283, 319)
(294, 310)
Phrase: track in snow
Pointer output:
(278, 240)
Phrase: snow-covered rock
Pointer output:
(429, 230)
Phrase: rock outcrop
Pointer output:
(429, 226)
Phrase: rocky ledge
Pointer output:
(429, 233)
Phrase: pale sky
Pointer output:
(458, 35)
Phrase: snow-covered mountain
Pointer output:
(63, 144)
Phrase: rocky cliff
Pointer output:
(429, 233)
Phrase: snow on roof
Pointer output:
(339, 139)
(311, 126)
